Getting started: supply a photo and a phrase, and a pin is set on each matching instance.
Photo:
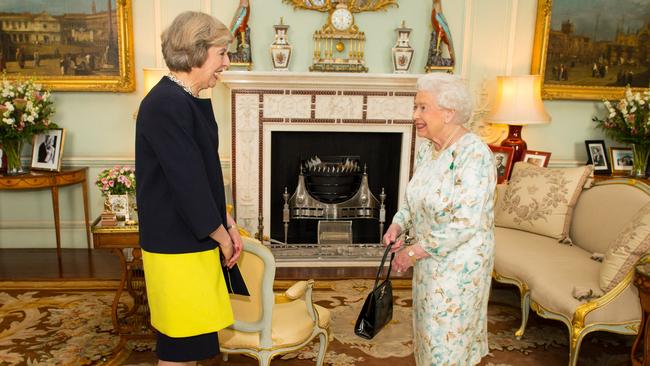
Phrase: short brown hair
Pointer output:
(186, 41)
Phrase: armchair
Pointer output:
(264, 329)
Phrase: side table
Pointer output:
(642, 282)
(53, 180)
(130, 321)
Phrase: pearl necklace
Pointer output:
(436, 153)
(180, 83)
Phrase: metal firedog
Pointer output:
(335, 191)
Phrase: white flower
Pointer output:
(612, 114)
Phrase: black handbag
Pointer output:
(377, 310)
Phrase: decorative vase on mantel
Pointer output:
(640, 154)
(12, 149)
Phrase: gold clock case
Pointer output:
(339, 50)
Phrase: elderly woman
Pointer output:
(181, 200)
(449, 212)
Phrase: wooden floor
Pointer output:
(102, 264)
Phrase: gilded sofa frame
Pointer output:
(576, 324)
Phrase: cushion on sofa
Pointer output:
(631, 243)
(540, 200)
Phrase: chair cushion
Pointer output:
(291, 326)
(630, 244)
(540, 200)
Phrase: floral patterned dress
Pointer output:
(449, 209)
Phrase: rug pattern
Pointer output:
(74, 328)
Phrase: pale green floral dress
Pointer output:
(449, 209)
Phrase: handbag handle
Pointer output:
(381, 266)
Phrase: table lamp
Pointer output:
(518, 102)
(152, 76)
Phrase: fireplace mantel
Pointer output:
(319, 80)
(263, 103)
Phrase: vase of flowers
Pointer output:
(628, 121)
(118, 187)
(25, 110)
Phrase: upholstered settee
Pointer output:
(570, 245)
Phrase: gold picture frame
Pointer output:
(597, 83)
(70, 49)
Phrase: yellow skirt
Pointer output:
(187, 293)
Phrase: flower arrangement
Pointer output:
(629, 121)
(25, 110)
(117, 180)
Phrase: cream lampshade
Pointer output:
(518, 102)
(152, 76)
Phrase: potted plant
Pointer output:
(117, 185)
(25, 110)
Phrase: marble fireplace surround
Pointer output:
(264, 102)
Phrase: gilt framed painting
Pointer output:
(591, 51)
(80, 45)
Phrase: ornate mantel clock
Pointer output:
(339, 44)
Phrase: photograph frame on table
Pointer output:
(3, 161)
(539, 158)
(575, 49)
(503, 156)
(622, 159)
(69, 46)
(598, 157)
(47, 151)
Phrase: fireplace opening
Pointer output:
(375, 153)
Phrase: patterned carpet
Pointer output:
(59, 327)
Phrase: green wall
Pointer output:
(491, 38)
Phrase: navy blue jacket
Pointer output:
(180, 192)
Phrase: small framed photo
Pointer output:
(48, 150)
(539, 158)
(621, 158)
(502, 161)
(596, 153)
(3, 161)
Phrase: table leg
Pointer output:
(84, 188)
(57, 221)
(639, 340)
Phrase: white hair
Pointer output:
(450, 92)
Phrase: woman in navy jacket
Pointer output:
(183, 222)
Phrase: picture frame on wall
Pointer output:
(596, 155)
(503, 156)
(622, 159)
(47, 150)
(539, 158)
(590, 52)
(83, 45)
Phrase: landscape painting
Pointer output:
(592, 49)
(68, 44)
